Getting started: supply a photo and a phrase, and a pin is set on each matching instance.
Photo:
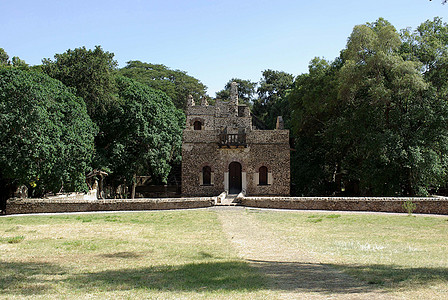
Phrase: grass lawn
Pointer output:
(402, 255)
(169, 254)
(185, 254)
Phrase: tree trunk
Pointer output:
(134, 184)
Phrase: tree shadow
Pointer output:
(384, 275)
(346, 278)
(210, 276)
(27, 278)
(19, 278)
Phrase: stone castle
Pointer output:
(222, 151)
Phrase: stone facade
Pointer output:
(221, 151)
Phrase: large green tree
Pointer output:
(90, 72)
(143, 134)
(272, 102)
(369, 120)
(178, 85)
(46, 136)
(313, 101)
(393, 134)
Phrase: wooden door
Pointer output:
(235, 182)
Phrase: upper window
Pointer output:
(206, 175)
(263, 176)
(197, 125)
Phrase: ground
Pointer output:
(224, 252)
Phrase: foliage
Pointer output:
(90, 72)
(143, 133)
(397, 130)
(313, 100)
(15, 62)
(46, 136)
(4, 57)
(370, 118)
(429, 45)
(272, 102)
(246, 91)
(175, 83)
(409, 207)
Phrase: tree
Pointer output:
(19, 63)
(272, 101)
(313, 100)
(143, 134)
(4, 57)
(429, 44)
(175, 83)
(46, 136)
(90, 72)
(392, 135)
(246, 91)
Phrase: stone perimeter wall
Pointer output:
(424, 205)
(26, 206)
(387, 204)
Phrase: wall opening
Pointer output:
(263, 176)
(235, 178)
(206, 175)
(197, 125)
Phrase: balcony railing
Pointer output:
(232, 140)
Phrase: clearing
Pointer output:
(224, 253)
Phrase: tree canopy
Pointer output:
(271, 102)
(178, 85)
(143, 133)
(46, 136)
(90, 72)
(381, 127)
(246, 91)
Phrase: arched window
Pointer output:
(197, 125)
(263, 176)
(206, 175)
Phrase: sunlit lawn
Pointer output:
(128, 255)
(396, 253)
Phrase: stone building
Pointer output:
(221, 151)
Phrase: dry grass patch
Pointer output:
(174, 254)
(402, 255)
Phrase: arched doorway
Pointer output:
(235, 178)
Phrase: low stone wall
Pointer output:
(424, 205)
(26, 206)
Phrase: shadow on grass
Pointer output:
(395, 275)
(210, 276)
(28, 278)
(341, 278)
(20, 278)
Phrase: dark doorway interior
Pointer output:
(235, 182)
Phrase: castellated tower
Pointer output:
(222, 152)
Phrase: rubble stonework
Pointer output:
(217, 136)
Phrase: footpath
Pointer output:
(292, 273)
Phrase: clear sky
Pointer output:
(213, 41)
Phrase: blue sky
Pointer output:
(213, 41)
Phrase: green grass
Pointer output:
(177, 254)
(395, 252)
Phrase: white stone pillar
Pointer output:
(226, 181)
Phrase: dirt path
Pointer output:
(292, 273)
